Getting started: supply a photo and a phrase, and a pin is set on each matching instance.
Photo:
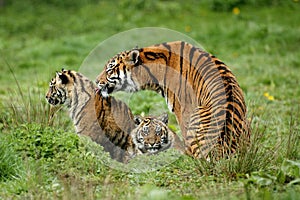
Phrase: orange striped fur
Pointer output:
(198, 87)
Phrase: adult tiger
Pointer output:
(152, 135)
(106, 121)
(199, 88)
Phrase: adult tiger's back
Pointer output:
(199, 88)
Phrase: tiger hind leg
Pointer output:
(203, 133)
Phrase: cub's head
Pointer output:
(59, 87)
(116, 75)
(152, 134)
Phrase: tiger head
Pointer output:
(116, 75)
(152, 134)
(59, 87)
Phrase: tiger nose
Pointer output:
(50, 100)
(98, 82)
(152, 142)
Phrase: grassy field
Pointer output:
(259, 40)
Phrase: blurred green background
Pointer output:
(258, 39)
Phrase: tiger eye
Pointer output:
(110, 72)
(145, 129)
(158, 130)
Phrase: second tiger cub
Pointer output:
(152, 135)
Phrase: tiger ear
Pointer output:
(63, 78)
(133, 56)
(164, 118)
(137, 120)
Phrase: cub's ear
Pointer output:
(164, 118)
(137, 120)
(63, 78)
(133, 57)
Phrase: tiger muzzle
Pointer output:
(152, 148)
(103, 89)
(52, 101)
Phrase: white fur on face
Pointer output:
(126, 83)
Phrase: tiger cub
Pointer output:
(152, 135)
(198, 87)
(106, 121)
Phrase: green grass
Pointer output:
(43, 160)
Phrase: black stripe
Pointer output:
(75, 103)
(167, 96)
(79, 118)
(124, 70)
(150, 55)
(113, 136)
(83, 88)
(198, 120)
(102, 111)
(117, 65)
(223, 68)
(188, 72)
(125, 143)
(173, 102)
(218, 62)
(121, 142)
(167, 46)
(79, 75)
(181, 66)
(206, 66)
(78, 113)
(165, 78)
(152, 77)
(163, 56)
(83, 129)
(191, 55)
(73, 75)
(235, 111)
(203, 54)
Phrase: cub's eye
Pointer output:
(109, 72)
(141, 139)
(111, 65)
(158, 130)
(108, 69)
(145, 130)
